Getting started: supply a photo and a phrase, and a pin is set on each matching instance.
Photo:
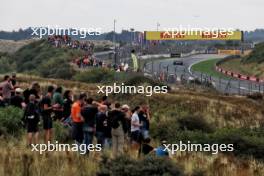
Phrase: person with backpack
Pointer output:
(46, 112)
(119, 129)
(31, 120)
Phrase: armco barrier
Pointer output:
(236, 75)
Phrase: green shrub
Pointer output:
(140, 79)
(6, 65)
(62, 133)
(10, 122)
(194, 123)
(124, 165)
(56, 68)
(96, 75)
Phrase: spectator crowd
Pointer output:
(88, 59)
(110, 124)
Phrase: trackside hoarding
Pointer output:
(193, 35)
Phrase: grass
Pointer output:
(250, 69)
(219, 112)
(208, 67)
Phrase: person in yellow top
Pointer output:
(134, 61)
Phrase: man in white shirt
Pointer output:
(135, 129)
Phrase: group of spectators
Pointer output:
(88, 61)
(64, 40)
(113, 125)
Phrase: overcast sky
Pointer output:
(138, 14)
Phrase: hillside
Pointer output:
(257, 55)
(11, 46)
(251, 65)
(179, 115)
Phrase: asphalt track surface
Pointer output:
(224, 85)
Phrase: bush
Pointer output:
(62, 133)
(56, 68)
(140, 79)
(194, 123)
(255, 96)
(10, 122)
(96, 75)
(147, 166)
(6, 65)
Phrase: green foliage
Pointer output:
(62, 132)
(140, 80)
(45, 60)
(6, 65)
(124, 165)
(10, 122)
(193, 123)
(257, 55)
(96, 75)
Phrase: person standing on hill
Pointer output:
(31, 119)
(77, 119)
(67, 104)
(135, 129)
(35, 90)
(119, 129)
(6, 87)
(134, 61)
(46, 111)
(58, 102)
(88, 113)
(17, 100)
(101, 125)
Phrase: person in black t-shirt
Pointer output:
(31, 119)
(101, 124)
(88, 113)
(35, 90)
(46, 114)
(17, 100)
(145, 148)
(67, 104)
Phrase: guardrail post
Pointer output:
(238, 87)
(220, 83)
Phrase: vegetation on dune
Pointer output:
(10, 122)
(251, 65)
(45, 60)
(145, 166)
(257, 55)
(179, 115)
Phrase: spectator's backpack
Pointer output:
(31, 113)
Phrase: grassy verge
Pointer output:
(208, 67)
(251, 69)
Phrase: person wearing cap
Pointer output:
(17, 100)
